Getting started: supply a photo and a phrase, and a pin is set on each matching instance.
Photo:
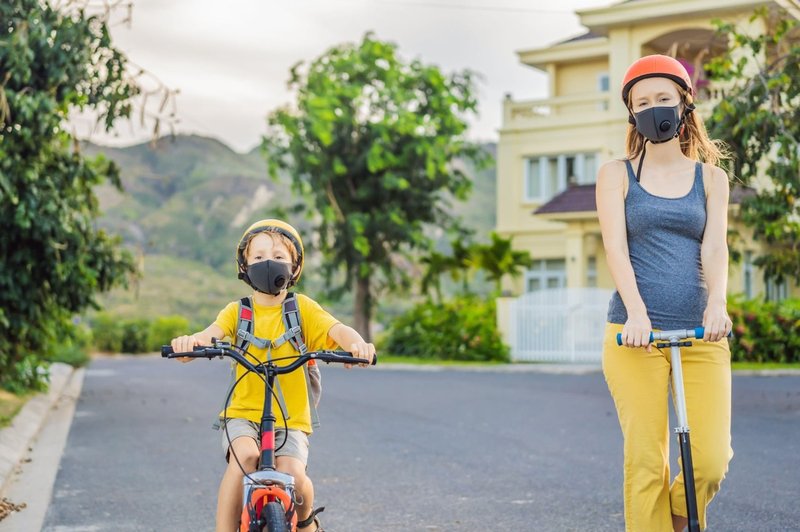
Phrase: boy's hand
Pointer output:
(362, 350)
(184, 344)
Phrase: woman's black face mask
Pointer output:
(269, 276)
(659, 124)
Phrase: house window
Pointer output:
(549, 175)
(603, 85)
(777, 291)
(546, 273)
(591, 272)
(747, 274)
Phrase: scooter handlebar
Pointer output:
(678, 334)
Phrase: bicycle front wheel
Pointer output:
(274, 517)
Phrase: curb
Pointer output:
(554, 369)
(16, 439)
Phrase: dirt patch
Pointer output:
(7, 508)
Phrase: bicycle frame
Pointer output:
(266, 484)
(675, 340)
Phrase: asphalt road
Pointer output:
(406, 450)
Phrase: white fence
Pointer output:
(558, 325)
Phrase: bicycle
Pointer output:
(675, 340)
(269, 495)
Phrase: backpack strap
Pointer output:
(294, 335)
(244, 331)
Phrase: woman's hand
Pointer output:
(716, 321)
(184, 344)
(636, 331)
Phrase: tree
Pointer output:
(759, 119)
(371, 143)
(497, 259)
(54, 259)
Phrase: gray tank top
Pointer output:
(664, 237)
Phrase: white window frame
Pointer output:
(544, 275)
(561, 165)
(747, 274)
(591, 271)
(601, 77)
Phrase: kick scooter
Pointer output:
(675, 340)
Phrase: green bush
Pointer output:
(765, 331)
(135, 335)
(463, 328)
(107, 332)
(165, 328)
(73, 346)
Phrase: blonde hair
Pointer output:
(276, 237)
(695, 143)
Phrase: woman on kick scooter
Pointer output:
(663, 215)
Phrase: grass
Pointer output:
(394, 359)
(764, 365)
(10, 404)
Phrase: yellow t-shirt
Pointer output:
(248, 397)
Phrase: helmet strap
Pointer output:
(641, 160)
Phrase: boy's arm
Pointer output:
(183, 344)
(349, 340)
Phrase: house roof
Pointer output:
(581, 199)
(578, 198)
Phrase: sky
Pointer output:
(230, 60)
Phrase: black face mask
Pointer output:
(659, 124)
(269, 276)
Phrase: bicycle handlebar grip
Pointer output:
(166, 350)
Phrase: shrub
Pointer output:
(765, 331)
(165, 328)
(463, 328)
(73, 346)
(107, 332)
(135, 335)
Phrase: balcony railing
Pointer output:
(553, 107)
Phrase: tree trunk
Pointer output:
(363, 308)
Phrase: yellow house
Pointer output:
(549, 149)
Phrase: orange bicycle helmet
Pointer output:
(656, 66)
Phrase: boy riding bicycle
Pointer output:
(270, 258)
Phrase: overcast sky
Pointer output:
(231, 59)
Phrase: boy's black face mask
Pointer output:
(659, 124)
(269, 276)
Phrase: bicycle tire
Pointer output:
(274, 517)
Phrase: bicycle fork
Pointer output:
(682, 430)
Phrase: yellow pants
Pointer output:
(639, 382)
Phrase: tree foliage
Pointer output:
(54, 259)
(372, 143)
(759, 119)
(496, 259)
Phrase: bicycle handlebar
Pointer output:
(679, 334)
(209, 352)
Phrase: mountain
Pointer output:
(186, 202)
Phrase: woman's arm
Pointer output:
(714, 255)
(610, 197)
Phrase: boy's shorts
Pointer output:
(296, 444)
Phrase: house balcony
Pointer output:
(556, 112)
